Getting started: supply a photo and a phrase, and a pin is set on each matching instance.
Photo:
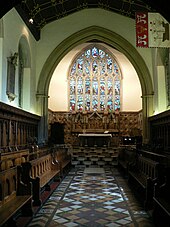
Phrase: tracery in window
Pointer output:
(94, 81)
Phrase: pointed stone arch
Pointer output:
(110, 38)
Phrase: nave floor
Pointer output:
(92, 197)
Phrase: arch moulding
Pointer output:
(110, 38)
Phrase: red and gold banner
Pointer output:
(152, 30)
(142, 29)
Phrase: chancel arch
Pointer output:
(110, 38)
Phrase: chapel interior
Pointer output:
(84, 113)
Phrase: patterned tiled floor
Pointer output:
(92, 197)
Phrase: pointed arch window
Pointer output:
(94, 81)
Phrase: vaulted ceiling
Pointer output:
(45, 11)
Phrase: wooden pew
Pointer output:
(40, 172)
(45, 165)
(45, 169)
(13, 158)
(126, 157)
(162, 159)
(36, 151)
(63, 157)
(161, 198)
(143, 174)
(14, 196)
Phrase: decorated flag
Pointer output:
(152, 30)
(142, 29)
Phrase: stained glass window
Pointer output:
(94, 81)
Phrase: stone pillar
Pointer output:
(42, 105)
(147, 103)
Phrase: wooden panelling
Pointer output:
(16, 127)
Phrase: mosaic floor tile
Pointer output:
(92, 197)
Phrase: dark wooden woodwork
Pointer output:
(16, 127)
(160, 132)
(116, 123)
(57, 133)
(48, 165)
(127, 156)
(161, 211)
(62, 155)
(11, 159)
(143, 175)
(14, 196)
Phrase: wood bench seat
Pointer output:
(44, 180)
(10, 159)
(63, 157)
(40, 172)
(143, 174)
(161, 210)
(14, 196)
(161, 198)
(163, 203)
(141, 179)
(45, 169)
(126, 157)
(9, 209)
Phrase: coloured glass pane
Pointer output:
(95, 67)
(80, 65)
(101, 53)
(87, 102)
(73, 70)
(102, 102)
(109, 86)
(94, 102)
(95, 86)
(87, 53)
(87, 67)
(87, 85)
(117, 102)
(117, 87)
(72, 86)
(80, 86)
(110, 102)
(102, 86)
(109, 65)
(72, 103)
(80, 102)
(94, 52)
(102, 67)
(116, 70)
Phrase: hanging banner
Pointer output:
(142, 29)
(158, 29)
(152, 30)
